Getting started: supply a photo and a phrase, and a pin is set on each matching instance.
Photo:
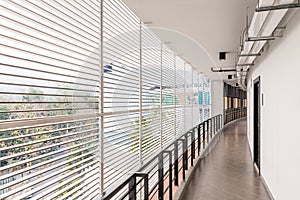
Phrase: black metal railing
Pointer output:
(161, 175)
(232, 114)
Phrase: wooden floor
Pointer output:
(227, 173)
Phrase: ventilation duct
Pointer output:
(264, 27)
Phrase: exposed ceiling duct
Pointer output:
(220, 32)
(264, 27)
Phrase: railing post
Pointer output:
(146, 187)
(176, 163)
(170, 177)
(207, 134)
(214, 126)
(217, 118)
(184, 157)
(235, 112)
(211, 128)
(193, 147)
(199, 139)
(228, 120)
(186, 152)
(221, 122)
(132, 188)
(160, 176)
(170, 174)
(203, 133)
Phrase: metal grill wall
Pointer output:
(88, 94)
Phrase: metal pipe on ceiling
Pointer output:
(278, 7)
(222, 70)
(249, 55)
(245, 64)
(263, 38)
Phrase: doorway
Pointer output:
(256, 123)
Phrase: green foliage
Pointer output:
(35, 96)
(4, 116)
(147, 139)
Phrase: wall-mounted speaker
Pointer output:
(222, 55)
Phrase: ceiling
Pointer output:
(198, 29)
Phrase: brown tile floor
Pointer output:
(227, 173)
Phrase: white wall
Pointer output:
(279, 69)
(217, 97)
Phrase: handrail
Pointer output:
(199, 135)
(232, 114)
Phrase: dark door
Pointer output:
(256, 120)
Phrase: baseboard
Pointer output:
(267, 188)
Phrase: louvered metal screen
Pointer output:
(168, 96)
(121, 55)
(151, 82)
(49, 99)
(188, 97)
(88, 94)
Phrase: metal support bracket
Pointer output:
(245, 64)
(222, 70)
(249, 55)
(262, 38)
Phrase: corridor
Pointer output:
(120, 99)
(227, 172)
